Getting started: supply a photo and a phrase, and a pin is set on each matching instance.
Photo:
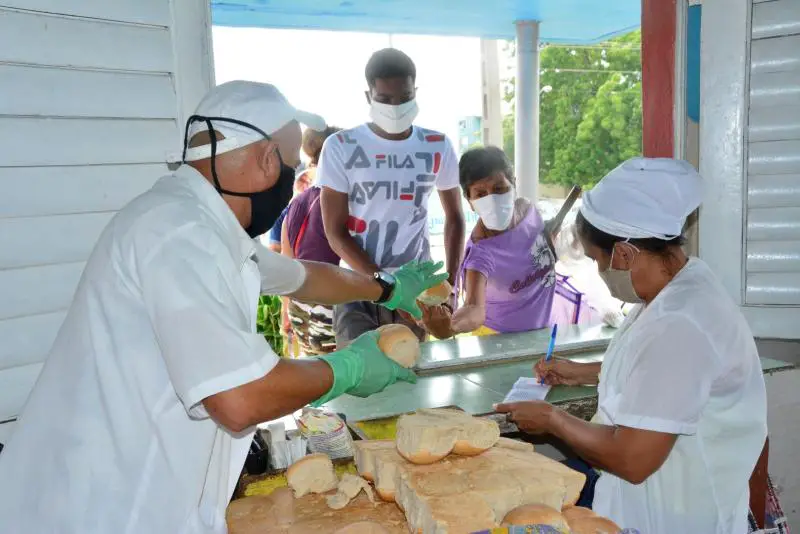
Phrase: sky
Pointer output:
(323, 72)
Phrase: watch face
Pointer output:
(386, 277)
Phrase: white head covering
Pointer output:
(644, 198)
(259, 104)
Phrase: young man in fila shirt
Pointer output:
(376, 180)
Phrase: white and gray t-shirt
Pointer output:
(389, 184)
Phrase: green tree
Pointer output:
(610, 132)
(585, 127)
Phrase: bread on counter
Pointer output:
(427, 436)
(255, 515)
(399, 343)
(462, 492)
(312, 474)
(246, 516)
(363, 527)
(377, 461)
(508, 443)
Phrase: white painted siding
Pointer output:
(750, 157)
(94, 96)
(772, 238)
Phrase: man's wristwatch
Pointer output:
(387, 283)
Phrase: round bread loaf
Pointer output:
(593, 525)
(573, 513)
(535, 514)
(363, 527)
(399, 343)
(438, 294)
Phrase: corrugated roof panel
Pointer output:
(563, 21)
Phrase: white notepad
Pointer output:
(527, 389)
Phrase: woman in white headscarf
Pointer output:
(682, 404)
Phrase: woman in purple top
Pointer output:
(508, 275)
(303, 237)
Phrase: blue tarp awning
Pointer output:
(562, 21)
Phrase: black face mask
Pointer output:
(265, 206)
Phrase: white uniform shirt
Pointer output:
(114, 437)
(686, 364)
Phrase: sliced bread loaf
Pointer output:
(427, 436)
(378, 461)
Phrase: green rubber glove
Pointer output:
(410, 280)
(361, 369)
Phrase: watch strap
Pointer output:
(387, 288)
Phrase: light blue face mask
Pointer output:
(619, 281)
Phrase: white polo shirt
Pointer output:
(114, 437)
(687, 365)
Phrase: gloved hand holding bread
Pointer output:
(413, 280)
(372, 362)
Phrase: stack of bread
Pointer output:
(453, 473)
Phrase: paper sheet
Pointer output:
(527, 389)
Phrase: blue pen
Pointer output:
(550, 348)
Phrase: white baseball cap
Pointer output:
(259, 104)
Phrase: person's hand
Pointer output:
(558, 372)
(361, 369)
(613, 318)
(437, 321)
(410, 280)
(533, 417)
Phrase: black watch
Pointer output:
(387, 283)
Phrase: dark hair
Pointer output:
(481, 162)
(389, 63)
(313, 141)
(605, 242)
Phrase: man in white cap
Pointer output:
(145, 409)
(682, 415)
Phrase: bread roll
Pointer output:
(363, 527)
(399, 343)
(593, 525)
(427, 436)
(436, 295)
(573, 513)
(311, 474)
(535, 514)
